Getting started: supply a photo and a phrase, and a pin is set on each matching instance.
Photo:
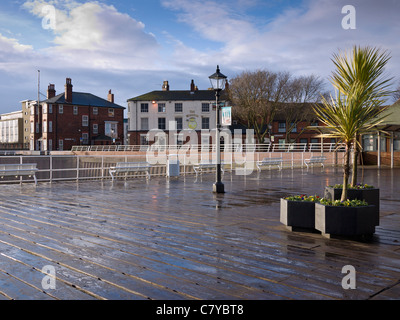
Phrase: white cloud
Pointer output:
(301, 39)
(95, 35)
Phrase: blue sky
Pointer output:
(131, 47)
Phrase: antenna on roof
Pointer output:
(38, 88)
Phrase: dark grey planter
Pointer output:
(371, 196)
(298, 215)
(346, 221)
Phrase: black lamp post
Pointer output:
(218, 83)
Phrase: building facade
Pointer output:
(194, 109)
(169, 110)
(75, 118)
(12, 130)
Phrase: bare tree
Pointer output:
(255, 97)
(302, 92)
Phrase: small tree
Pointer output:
(357, 108)
(360, 75)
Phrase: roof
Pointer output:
(83, 99)
(177, 95)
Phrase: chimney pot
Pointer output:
(165, 86)
(51, 91)
(110, 97)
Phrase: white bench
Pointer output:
(270, 162)
(126, 167)
(202, 166)
(18, 170)
(314, 160)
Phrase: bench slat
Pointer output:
(130, 167)
(18, 169)
(270, 162)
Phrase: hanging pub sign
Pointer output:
(226, 116)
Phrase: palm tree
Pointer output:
(357, 108)
(360, 75)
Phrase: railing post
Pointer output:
(77, 168)
(102, 167)
(51, 168)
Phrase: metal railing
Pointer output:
(85, 167)
(269, 147)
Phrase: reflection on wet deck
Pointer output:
(175, 239)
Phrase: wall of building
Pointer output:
(64, 126)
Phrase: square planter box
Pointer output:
(298, 215)
(345, 221)
(371, 196)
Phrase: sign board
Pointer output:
(226, 116)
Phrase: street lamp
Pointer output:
(218, 83)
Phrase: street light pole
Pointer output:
(218, 82)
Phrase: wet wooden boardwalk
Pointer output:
(175, 239)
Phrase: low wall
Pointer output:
(371, 158)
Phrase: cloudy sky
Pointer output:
(132, 46)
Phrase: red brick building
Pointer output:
(75, 118)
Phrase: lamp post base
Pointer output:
(218, 187)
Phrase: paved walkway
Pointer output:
(175, 239)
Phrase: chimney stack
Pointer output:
(165, 86)
(192, 86)
(110, 97)
(226, 85)
(68, 90)
(51, 91)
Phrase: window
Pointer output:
(161, 123)
(282, 127)
(178, 107)
(37, 127)
(60, 109)
(50, 145)
(50, 108)
(60, 145)
(161, 107)
(396, 142)
(45, 108)
(111, 129)
(144, 140)
(205, 123)
(144, 123)
(32, 127)
(85, 138)
(294, 127)
(144, 107)
(95, 128)
(314, 123)
(179, 123)
(85, 121)
(95, 111)
(205, 107)
(304, 140)
(111, 112)
(50, 126)
(75, 110)
(44, 126)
